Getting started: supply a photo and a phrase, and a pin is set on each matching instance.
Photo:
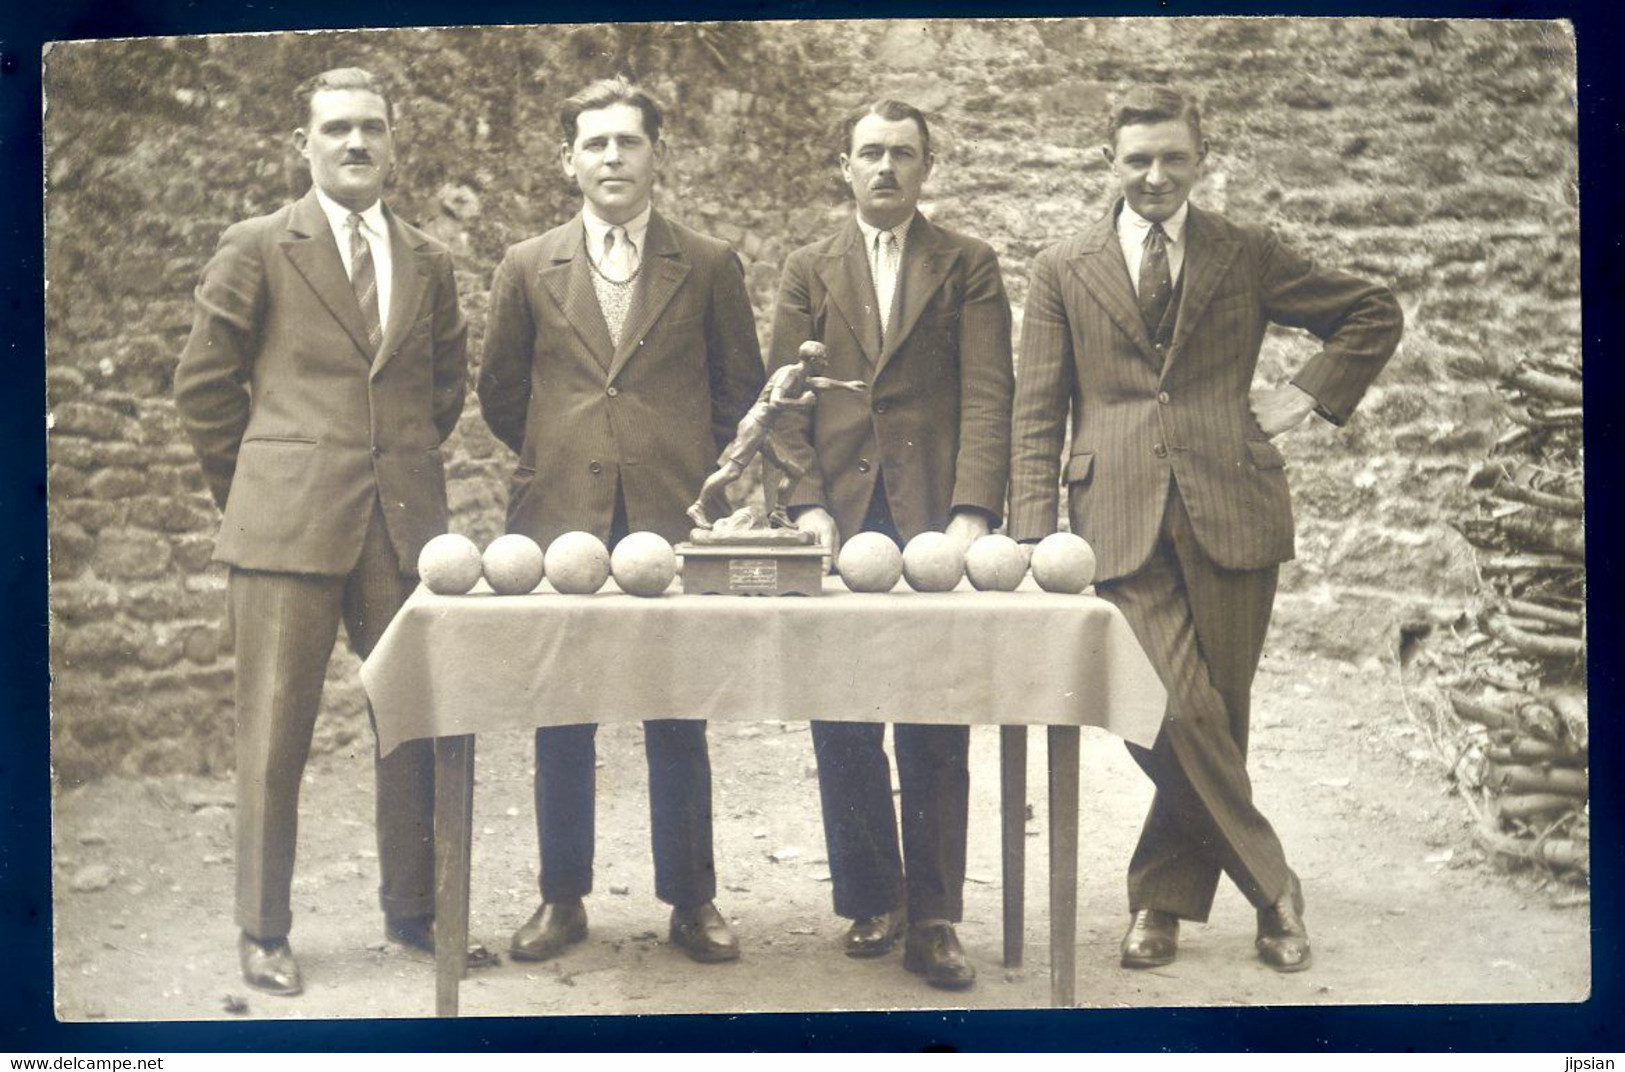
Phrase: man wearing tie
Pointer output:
(325, 367)
(620, 353)
(919, 313)
(1147, 328)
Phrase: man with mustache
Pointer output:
(325, 367)
(619, 355)
(919, 313)
(1147, 328)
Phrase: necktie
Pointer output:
(616, 271)
(1156, 283)
(886, 260)
(364, 278)
(620, 259)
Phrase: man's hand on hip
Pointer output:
(817, 520)
(1280, 409)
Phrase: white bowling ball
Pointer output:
(449, 565)
(870, 562)
(995, 563)
(643, 564)
(577, 564)
(1063, 562)
(933, 563)
(513, 565)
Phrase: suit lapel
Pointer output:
(663, 271)
(1101, 267)
(568, 277)
(925, 266)
(845, 272)
(309, 244)
(1208, 256)
(408, 281)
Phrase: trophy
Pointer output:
(746, 551)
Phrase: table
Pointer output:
(450, 667)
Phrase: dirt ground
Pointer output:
(1401, 907)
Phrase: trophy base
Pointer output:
(752, 569)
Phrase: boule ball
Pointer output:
(577, 564)
(513, 564)
(1063, 562)
(449, 565)
(870, 562)
(995, 563)
(643, 564)
(933, 563)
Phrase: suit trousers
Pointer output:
(869, 875)
(679, 802)
(285, 626)
(1203, 629)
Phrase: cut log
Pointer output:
(1549, 647)
(1562, 781)
(1482, 713)
(1560, 389)
(1570, 705)
(1561, 504)
(1559, 853)
(1523, 608)
(1527, 806)
(1535, 533)
(1503, 564)
(1515, 750)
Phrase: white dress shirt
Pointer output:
(637, 228)
(885, 282)
(1132, 229)
(375, 229)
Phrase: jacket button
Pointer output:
(1160, 450)
(1162, 397)
(880, 407)
(863, 465)
(377, 452)
(595, 468)
(613, 391)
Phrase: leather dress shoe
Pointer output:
(550, 930)
(873, 936)
(932, 950)
(1283, 940)
(269, 966)
(418, 933)
(1152, 939)
(703, 934)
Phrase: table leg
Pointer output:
(1013, 809)
(1063, 865)
(453, 839)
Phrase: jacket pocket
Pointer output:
(1265, 455)
(272, 440)
(1080, 468)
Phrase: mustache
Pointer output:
(885, 184)
(357, 158)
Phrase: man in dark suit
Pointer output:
(325, 367)
(1147, 327)
(619, 354)
(919, 312)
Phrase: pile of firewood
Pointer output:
(1503, 687)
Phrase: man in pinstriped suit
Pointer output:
(919, 312)
(1147, 329)
(620, 352)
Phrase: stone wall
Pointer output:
(1437, 157)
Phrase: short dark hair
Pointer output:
(890, 110)
(605, 93)
(1153, 104)
(341, 78)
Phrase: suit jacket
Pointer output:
(584, 414)
(1140, 417)
(936, 418)
(299, 424)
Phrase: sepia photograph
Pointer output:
(816, 516)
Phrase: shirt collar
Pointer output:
(372, 217)
(870, 231)
(1133, 226)
(597, 228)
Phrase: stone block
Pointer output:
(128, 556)
(97, 646)
(87, 599)
(62, 383)
(93, 514)
(159, 650)
(171, 515)
(70, 546)
(193, 553)
(79, 453)
(117, 483)
(66, 481)
(203, 644)
(92, 421)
